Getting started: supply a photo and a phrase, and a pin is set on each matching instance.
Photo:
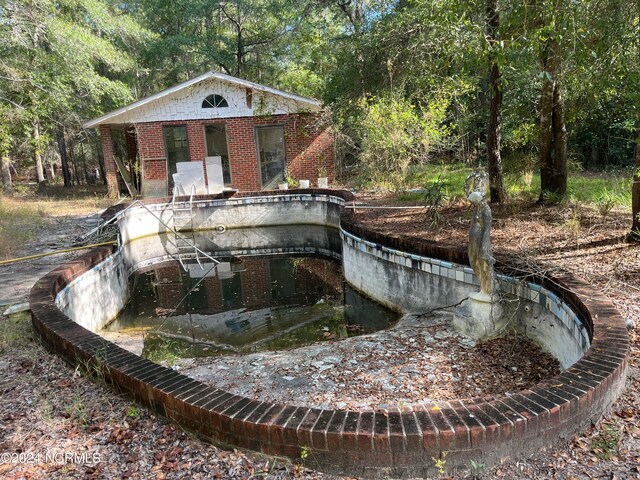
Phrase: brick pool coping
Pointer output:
(399, 442)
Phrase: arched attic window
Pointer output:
(214, 101)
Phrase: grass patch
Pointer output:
(15, 331)
(19, 223)
(603, 191)
(25, 214)
(594, 189)
(605, 444)
(452, 175)
(160, 349)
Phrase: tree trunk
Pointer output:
(42, 187)
(62, 147)
(635, 196)
(553, 132)
(85, 171)
(74, 164)
(84, 164)
(239, 53)
(5, 175)
(103, 173)
(497, 192)
(239, 43)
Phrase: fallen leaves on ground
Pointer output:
(46, 408)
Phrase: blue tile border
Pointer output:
(464, 274)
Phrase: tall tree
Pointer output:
(38, 150)
(245, 38)
(634, 74)
(497, 191)
(635, 195)
(553, 130)
(63, 61)
(62, 147)
(5, 175)
(6, 141)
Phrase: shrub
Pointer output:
(396, 134)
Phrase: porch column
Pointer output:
(109, 162)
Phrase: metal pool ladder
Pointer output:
(182, 219)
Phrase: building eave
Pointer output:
(104, 119)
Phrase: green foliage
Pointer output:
(586, 189)
(304, 452)
(451, 175)
(604, 444)
(435, 195)
(590, 189)
(62, 63)
(477, 468)
(440, 463)
(419, 48)
(5, 138)
(133, 412)
(302, 80)
(252, 39)
(78, 410)
(395, 134)
(605, 202)
(162, 349)
(15, 330)
(289, 179)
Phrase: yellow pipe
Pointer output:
(38, 255)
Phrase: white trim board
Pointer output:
(155, 111)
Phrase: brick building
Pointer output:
(259, 132)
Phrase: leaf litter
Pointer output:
(46, 407)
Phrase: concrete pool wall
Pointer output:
(399, 442)
(416, 283)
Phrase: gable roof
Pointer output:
(309, 102)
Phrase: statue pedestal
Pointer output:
(479, 317)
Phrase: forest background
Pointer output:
(528, 89)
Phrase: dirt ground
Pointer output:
(547, 239)
(49, 409)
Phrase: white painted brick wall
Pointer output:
(187, 104)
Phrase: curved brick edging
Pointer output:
(397, 442)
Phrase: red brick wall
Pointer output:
(155, 169)
(214, 293)
(242, 153)
(150, 140)
(306, 145)
(312, 271)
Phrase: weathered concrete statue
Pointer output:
(480, 253)
(480, 316)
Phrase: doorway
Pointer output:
(216, 144)
(271, 155)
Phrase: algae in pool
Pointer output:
(247, 304)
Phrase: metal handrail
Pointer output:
(138, 203)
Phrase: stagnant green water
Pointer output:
(246, 304)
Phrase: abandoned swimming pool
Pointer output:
(243, 304)
(582, 330)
